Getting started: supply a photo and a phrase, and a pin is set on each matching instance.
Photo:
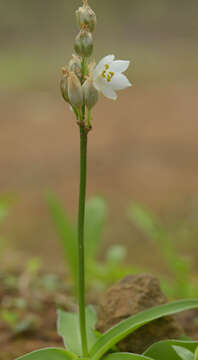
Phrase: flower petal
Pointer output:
(120, 82)
(99, 82)
(120, 65)
(109, 92)
(105, 60)
(101, 85)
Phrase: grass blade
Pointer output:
(95, 216)
(66, 233)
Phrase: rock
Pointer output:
(188, 321)
(133, 294)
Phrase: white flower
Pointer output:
(108, 77)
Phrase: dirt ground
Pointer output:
(142, 147)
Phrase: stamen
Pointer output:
(110, 76)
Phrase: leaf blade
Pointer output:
(164, 349)
(196, 354)
(48, 354)
(69, 329)
(183, 353)
(126, 356)
(126, 327)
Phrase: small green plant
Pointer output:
(181, 284)
(17, 325)
(80, 85)
(97, 273)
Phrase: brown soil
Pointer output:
(40, 306)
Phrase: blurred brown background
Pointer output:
(143, 147)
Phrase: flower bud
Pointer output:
(75, 66)
(90, 93)
(86, 16)
(75, 92)
(64, 85)
(84, 43)
(91, 66)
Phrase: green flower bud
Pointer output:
(64, 86)
(75, 92)
(84, 43)
(86, 16)
(90, 93)
(75, 66)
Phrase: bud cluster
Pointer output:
(76, 84)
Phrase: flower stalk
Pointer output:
(84, 130)
(81, 250)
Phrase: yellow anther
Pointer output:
(109, 77)
(104, 74)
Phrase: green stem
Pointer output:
(84, 68)
(81, 252)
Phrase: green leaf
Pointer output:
(164, 350)
(126, 327)
(126, 356)
(66, 233)
(68, 328)
(95, 216)
(48, 354)
(196, 354)
(183, 353)
(115, 254)
(181, 268)
(145, 220)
